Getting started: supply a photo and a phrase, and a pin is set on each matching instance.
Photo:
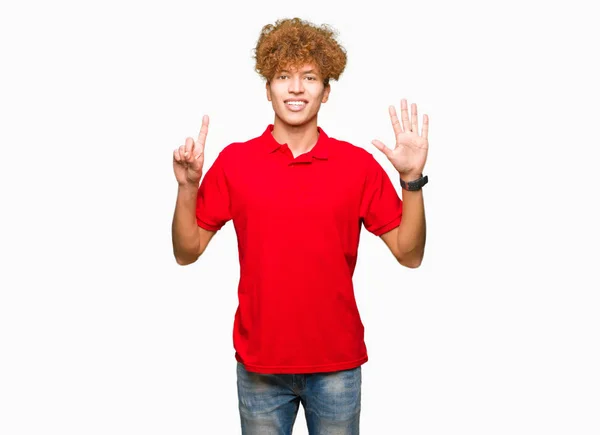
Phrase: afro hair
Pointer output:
(291, 43)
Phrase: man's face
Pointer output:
(297, 94)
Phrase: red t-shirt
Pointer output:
(298, 222)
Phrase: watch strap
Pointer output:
(415, 184)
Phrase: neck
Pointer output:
(299, 138)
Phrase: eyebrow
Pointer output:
(310, 71)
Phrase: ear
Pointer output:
(268, 86)
(326, 92)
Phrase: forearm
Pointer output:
(412, 229)
(186, 238)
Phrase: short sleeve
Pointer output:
(212, 204)
(380, 206)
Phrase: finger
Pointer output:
(404, 114)
(189, 148)
(425, 126)
(395, 121)
(182, 152)
(414, 119)
(203, 133)
(176, 155)
(179, 156)
(196, 165)
(381, 147)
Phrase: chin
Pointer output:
(296, 121)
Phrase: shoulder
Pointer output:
(238, 151)
(351, 154)
(366, 168)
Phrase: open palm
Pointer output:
(410, 153)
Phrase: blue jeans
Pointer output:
(268, 403)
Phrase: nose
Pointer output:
(295, 85)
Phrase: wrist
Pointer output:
(189, 186)
(413, 182)
(410, 176)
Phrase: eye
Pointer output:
(311, 78)
(282, 76)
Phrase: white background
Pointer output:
(101, 332)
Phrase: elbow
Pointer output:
(413, 264)
(185, 260)
(412, 260)
(187, 249)
(182, 262)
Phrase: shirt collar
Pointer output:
(319, 151)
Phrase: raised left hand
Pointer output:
(410, 153)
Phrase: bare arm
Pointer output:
(189, 239)
(407, 241)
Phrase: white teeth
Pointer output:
(296, 103)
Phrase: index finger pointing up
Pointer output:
(203, 132)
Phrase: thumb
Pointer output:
(381, 147)
(196, 162)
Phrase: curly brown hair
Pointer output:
(291, 43)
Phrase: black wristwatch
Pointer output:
(415, 184)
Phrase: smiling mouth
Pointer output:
(296, 103)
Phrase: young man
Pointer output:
(298, 198)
